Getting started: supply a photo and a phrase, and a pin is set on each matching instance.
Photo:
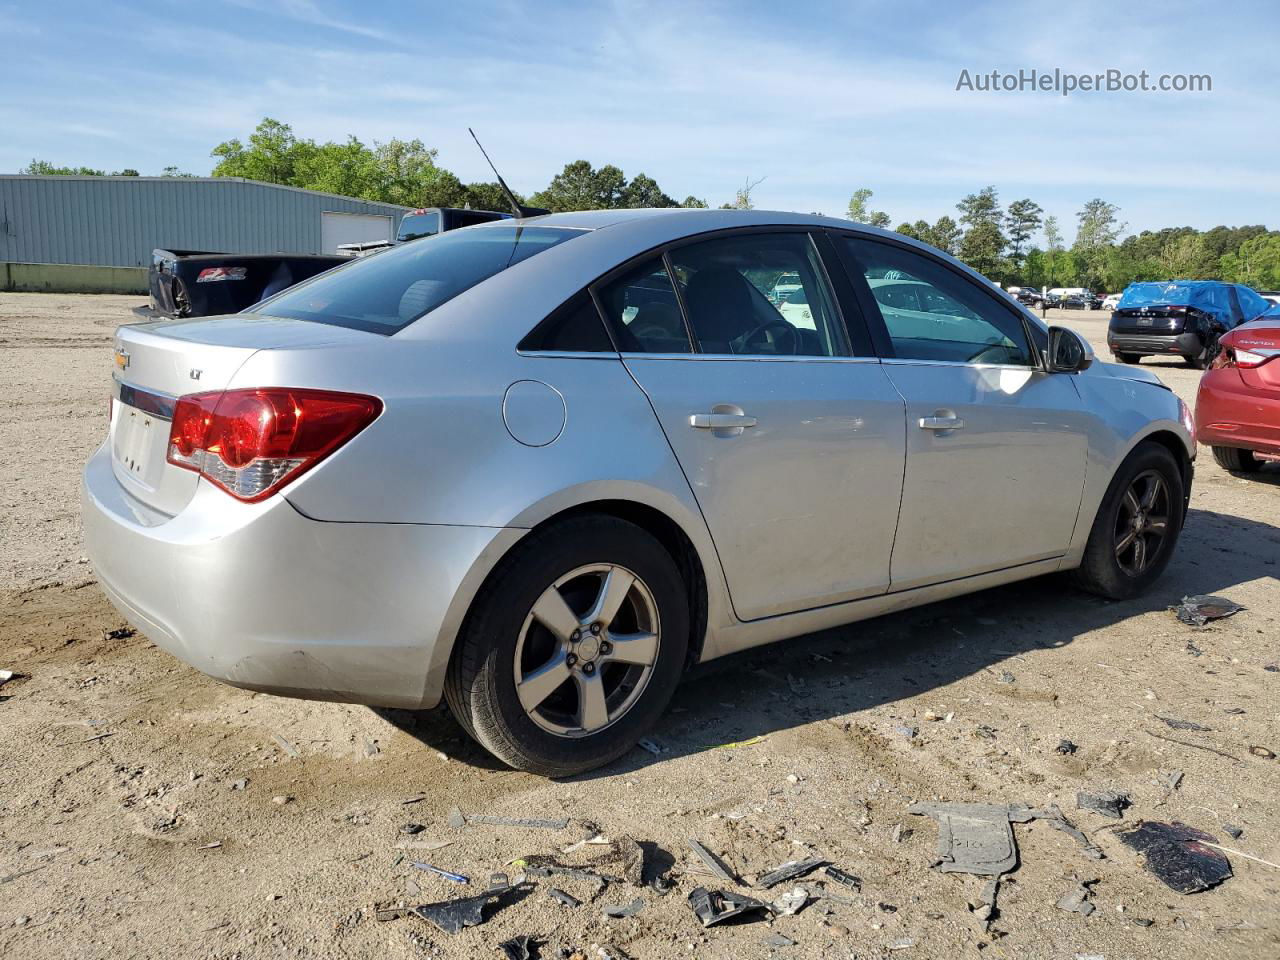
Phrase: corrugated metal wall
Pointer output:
(118, 221)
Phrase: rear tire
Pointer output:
(1114, 567)
(507, 643)
(1129, 357)
(1236, 460)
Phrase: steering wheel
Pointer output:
(749, 338)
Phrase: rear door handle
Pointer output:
(720, 421)
(941, 423)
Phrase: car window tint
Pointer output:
(388, 291)
(575, 327)
(933, 313)
(731, 288)
(643, 312)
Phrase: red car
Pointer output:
(1238, 409)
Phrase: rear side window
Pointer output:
(643, 311)
(932, 313)
(388, 291)
(1251, 304)
(573, 328)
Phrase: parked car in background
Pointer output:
(1238, 406)
(1110, 301)
(796, 311)
(1272, 295)
(538, 468)
(783, 287)
(1028, 296)
(1183, 318)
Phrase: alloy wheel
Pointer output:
(1142, 523)
(586, 650)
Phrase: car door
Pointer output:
(791, 441)
(996, 445)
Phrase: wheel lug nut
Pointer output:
(571, 659)
(588, 668)
(576, 636)
(595, 628)
(606, 647)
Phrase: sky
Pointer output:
(818, 99)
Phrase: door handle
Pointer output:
(720, 421)
(941, 423)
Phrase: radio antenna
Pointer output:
(517, 208)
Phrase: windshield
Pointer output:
(387, 292)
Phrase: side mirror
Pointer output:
(1068, 351)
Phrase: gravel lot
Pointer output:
(146, 811)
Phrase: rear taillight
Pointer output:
(253, 442)
(1231, 357)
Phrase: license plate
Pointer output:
(138, 444)
(1144, 321)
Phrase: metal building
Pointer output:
(118, 221)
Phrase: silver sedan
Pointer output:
(539, 468)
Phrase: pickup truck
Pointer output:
(202, 283)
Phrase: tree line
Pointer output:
(996, 241)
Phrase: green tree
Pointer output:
(860, 212)
(489, 196)
(1052, 235)
(1022, 219)
(693, 203)
(643, 191)
(43, 168)
(945, 235)
(1256, 262)
(1035, 271)
(271, 156)
(580, 186)
(981, 246)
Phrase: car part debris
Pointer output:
(714, 863)
(975, 838)
(452, 916)
(1179, 855)
(985, 909)
(789, 871)
(458, 819)
(778, 940)
(716, 906)
(518, 948)
(652, 746)
(566, 898)
(6, 676)
(1076, 900)
(839, 876)
(1109, 803)
(1066, 747)
(440, 872)
(1176, 724)
(906, 731)
(409, 829)
(1262, 752)
(1058, 820)
(791, 902)
(1198, 610)
(625, 910)
(286, 745)
(1171, 780)
(552, 869)
(1231, 830)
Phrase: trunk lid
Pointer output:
(1261, 337)
(155, 363)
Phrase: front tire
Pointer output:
(1236, 460)
(1137, 525)
(573, 648)
(1129, 357)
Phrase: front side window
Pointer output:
(644, 312)
(933, 313)
(386, 292)
(740, 293)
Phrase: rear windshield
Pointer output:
(388, 291)
(415, 225)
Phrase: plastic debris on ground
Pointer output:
(6, 676)
(1177, 854)
(1061, 823)
(458, 819)
(791, 902)
(517, 948)
(1233, 831)
(975, 838)
(984, 909)
(778, 940)
(1066, 747)
(714, 863)
(716, 906)
(452, 916)
(441, 872)
(840, 876)
(789, 871)
(1176, 724)
(625, 910)
(1200, 609)
(568, 899)
(1109, 803)
(1076, 900)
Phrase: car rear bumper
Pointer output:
(1183, 344)
(262, 597)
(1229, 413)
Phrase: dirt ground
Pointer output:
(146, 811)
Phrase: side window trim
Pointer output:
(880, 332)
